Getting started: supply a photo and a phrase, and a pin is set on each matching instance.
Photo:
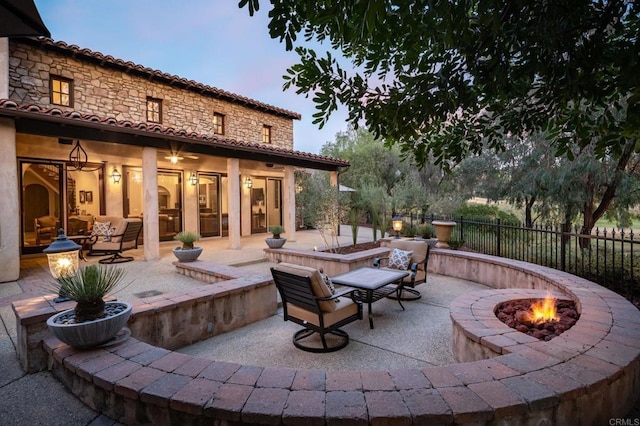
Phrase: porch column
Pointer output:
(150, 203)
(10, 205)
(233, 200)
(289, 203)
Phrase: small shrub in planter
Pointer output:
(276, 241)
(187, 239)
(93, 321)
(187, 253)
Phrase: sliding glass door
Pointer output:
(266, 204)
(169, 199)
(52, 198)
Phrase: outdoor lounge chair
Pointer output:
(124, 237)
(308, 301)
(417, 265)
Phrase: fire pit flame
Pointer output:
(543, 311)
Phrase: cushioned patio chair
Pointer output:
(308, 301)
(412, 255)
(123, 237)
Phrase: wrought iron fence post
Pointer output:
(498, 248)
(564, 228)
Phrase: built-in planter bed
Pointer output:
(331, 263)
(588, 375)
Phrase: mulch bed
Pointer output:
(355, 248)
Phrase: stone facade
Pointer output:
(110, 91)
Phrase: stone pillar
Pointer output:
(10, 205)
(113, 196)
(191, 208)
(233, 194)
(150, 203)
(289, 203)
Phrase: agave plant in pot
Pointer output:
(276, 241)
(187, 253)
(93, 322)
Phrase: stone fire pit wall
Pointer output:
(588, 375)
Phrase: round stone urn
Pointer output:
(89, 334)
(443, 232)
(187, 255)
(275, 243)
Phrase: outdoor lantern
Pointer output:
(116, 175)
(63, 256)
(193, 179)
(248, 183)
(397, 225)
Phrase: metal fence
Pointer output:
(608, 257)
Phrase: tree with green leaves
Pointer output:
(444, 80)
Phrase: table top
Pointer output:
(369, 278)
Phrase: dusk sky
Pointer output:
(209, 41)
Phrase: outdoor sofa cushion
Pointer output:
(419, 249)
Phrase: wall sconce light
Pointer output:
(193, 179)
(62, 255)
(397, 225)
(116, 175)
(248, 183)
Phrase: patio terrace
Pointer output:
(386, 315)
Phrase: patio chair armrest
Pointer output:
(379, 261)
(414, 270)
(338, 293)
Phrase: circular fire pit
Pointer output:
(543, 319)
(477, 331)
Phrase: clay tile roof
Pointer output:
(175, 80)
(36, 112)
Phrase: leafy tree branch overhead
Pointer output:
(449, 79)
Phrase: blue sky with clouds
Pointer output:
(209, 41)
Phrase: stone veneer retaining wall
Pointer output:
(109, 92)
(587, 375)
(170, 320)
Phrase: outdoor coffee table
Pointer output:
(82, 240)
(372, 284)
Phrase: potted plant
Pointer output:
(187, 253)
(93, 322)
(276, 241)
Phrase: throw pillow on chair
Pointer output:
(399, 259)
(100, 228)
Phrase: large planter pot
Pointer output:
(275, 242)
(187, 255)
(90, 333)
(443, 232)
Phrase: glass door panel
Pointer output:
(224, 205)
(169, 204)
(169, 199)
(209, 204)
(274, 205)
(41, 201)
(258, 206)
(83, 196)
